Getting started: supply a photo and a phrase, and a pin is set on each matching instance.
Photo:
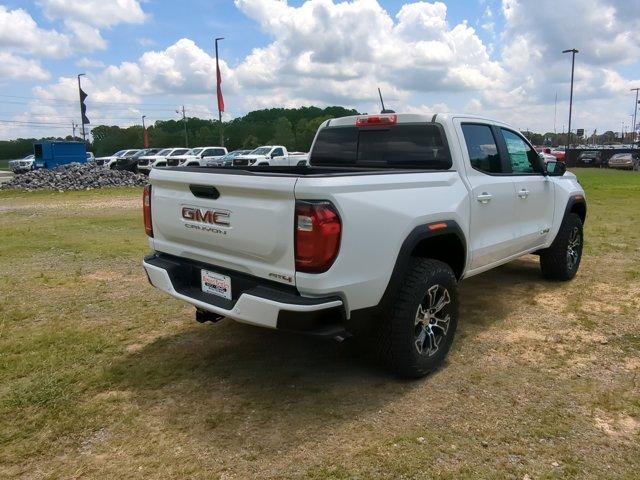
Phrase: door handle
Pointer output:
(523, 193)
(484, 197)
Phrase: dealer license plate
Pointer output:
(216, 284)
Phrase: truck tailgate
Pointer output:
(247, 228)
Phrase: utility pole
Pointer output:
(573, 52)
(184, 119)
(82, 107)
(219, 93)
(73, 130)
(635, 112)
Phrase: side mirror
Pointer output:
(555, 168)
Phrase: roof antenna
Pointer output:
(384, 110)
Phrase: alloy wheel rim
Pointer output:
(432, 320)
(573, 248)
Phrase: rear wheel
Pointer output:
(416, 338)
(561, 260)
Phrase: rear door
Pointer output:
(491, 235)
(534, 192)
(241, 221)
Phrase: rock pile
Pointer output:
(74, 176)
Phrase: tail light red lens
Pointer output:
(146, 210)
(317, 236)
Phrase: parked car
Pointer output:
(545, 154)
(159, 159)
(226, 160)
(197, 157)
(22, 165)
(393, 212)
(110, 160)
(625, 161)
(129, 161)
(559, 153)
(91, 157)
(270, 155)
(591, 158)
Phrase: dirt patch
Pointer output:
(624, 426)
(125, 203)
(104, 276)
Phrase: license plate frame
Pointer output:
(215, 283)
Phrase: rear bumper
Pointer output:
(254, 301)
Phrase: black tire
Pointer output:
(426, 281)
(562, 259)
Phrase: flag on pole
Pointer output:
(83, 106)
(220, 97)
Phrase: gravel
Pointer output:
(74, 176)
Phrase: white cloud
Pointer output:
(146, 42)
(534, 37)
(20, 33)
(86, 19)
(182, 68)
(329, 52)
(89, 63)
(15, 67)
(605, 31)
(338, 52)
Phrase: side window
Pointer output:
(208, 152)
(482, 148)
(522, 157)
(277, 153)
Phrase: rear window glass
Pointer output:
(400, 146)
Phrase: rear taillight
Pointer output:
(317, 236)
(146, 210)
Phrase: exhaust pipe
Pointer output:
(203, 316)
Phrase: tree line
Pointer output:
(292, 127)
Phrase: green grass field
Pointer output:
(4, 164)
(101, 376)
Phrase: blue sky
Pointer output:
(498, 58)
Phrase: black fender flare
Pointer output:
(417, 235)
(573, 200)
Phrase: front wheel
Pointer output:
(424, 316)
(561, 260)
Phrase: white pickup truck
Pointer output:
(271, 155)
(199, 156)
(372, 238)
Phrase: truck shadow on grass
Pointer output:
(278, 389)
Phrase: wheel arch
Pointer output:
(578, 205)
(441, 240)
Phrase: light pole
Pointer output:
(144, 133)
(573, 52)
(82, 107)
(635, 112)
(219, 93)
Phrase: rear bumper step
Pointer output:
(255, 301)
